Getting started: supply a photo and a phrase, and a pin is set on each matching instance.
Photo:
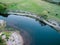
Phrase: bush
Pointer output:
(44, 16)
(3, 8)
(2, 42)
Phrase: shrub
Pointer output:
(2, 42)
(3, 8)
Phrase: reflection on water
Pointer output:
(41, 35)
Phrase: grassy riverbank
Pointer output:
(35, 6)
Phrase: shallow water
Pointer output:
(41, 34)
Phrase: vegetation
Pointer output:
(44, 16)
(38, 7)
(7, 34)
(54, 1)
(3, 8)
(2, 42)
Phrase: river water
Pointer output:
(41, 34)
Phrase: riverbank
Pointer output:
(51, 23)
(38, 7)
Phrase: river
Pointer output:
(41, 34)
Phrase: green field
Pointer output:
(38, 7)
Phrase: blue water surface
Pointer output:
(41, 35)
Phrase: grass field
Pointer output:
(38, 7)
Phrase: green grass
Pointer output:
(35, 6)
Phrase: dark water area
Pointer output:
(41, 34)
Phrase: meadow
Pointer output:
(38, 7)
